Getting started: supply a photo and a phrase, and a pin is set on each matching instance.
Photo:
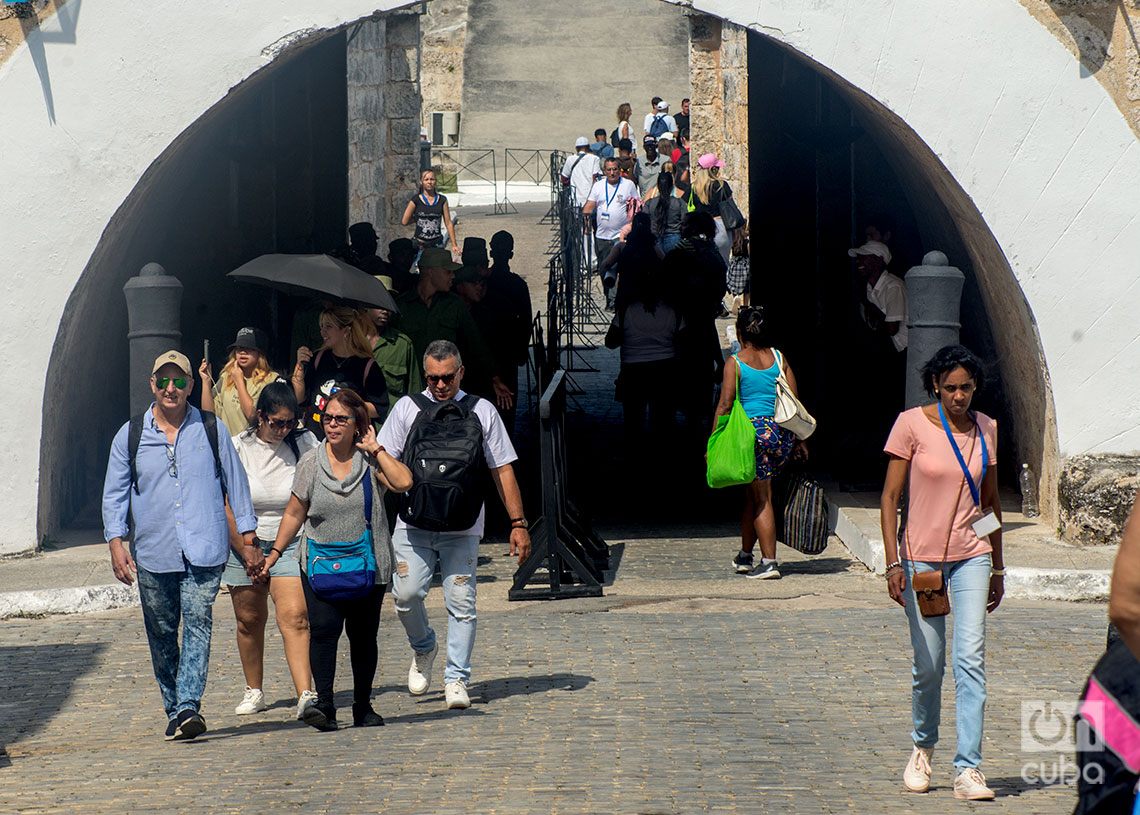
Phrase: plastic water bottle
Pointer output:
(1028, 492)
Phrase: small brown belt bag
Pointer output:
(930, 587)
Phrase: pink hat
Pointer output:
(709, 160)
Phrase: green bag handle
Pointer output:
(693, 208)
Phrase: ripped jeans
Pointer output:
(417, 552)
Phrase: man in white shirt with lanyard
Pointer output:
(609, 198)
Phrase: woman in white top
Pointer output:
(624, 131)
(269, 450)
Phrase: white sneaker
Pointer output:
(456, 695)
(970, 785)
(916, 776)
(307, 698)
(419, 675)
(252, 702)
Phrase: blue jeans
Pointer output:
(968, 583)
(417, 552)
(667, 242)
(166, 597)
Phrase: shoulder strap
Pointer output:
(367, 368)
(422, 402)
(317, 359)
(134, 436)
(367, 497)
(210, 422)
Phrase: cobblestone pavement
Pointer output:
(684, 689)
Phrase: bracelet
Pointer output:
(997, 572)
(277, 552)
(895, 565)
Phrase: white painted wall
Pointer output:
(137, 75)
(1046, 157)
(1042, 151)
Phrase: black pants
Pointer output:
(360, 619)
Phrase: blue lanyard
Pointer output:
(610, 200)
(424, 199)
(961, 461)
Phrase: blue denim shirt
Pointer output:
(178, 511)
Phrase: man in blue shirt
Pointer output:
(181, 534)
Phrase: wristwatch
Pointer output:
(519, 523)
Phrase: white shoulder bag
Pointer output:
(790, 413)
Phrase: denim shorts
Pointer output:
(286, 565)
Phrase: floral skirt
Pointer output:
(774, 446)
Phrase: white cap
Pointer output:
(872, 248)
(662, 105)
(581, 141)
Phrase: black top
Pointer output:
(334, 373)
(675, 211)
(679, 167)
(718, 191)
(504, 318)
(429, 218)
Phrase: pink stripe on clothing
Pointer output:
(1117, 729)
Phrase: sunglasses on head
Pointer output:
(446, 379)
(333, 420)
(163, 381)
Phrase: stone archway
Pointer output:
(1042, 164)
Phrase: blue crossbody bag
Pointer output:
(345, 571)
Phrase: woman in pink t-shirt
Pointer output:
(934, 446)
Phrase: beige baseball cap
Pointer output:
(171, 358)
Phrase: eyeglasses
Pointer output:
(171, 464)
(163, 381)
(446, 379)
(279, 424)
(333, 420)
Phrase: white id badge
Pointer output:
(985, 523)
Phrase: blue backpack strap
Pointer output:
(367, 497)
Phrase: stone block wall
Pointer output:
(718, 107)
(444, 37)
(1095, 494)
(383, 119)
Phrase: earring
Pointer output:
(937, 393)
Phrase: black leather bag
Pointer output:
(730, 214)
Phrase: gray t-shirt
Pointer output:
(336, 508)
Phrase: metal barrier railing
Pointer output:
(455, 164)
(575, 559)
(523, 164)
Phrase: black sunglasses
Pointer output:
(163, 381)
(446, 379)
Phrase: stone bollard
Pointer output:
(154, 325)
(934, 297)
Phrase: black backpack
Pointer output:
(134, 436)
(444, 451)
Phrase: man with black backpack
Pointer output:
(171, 471)
(448, 439)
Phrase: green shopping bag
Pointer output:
(732, 447)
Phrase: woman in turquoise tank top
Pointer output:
(759, 366)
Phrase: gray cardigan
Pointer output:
(336, 508)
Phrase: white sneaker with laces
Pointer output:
(456, 695)
(304, 701)
(916, 776)
(419, 675)
(252, 702)
(970, 785)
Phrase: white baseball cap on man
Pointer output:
(662, 105)
(877, 248)
(581, 141)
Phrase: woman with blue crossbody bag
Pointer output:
(346, 551)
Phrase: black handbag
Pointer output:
(730, 214)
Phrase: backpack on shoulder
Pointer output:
(134, 437)
(658, 126)
(444, 451)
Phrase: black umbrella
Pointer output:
(319, 276)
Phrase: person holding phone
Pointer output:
(233, 397)
(946, 456)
